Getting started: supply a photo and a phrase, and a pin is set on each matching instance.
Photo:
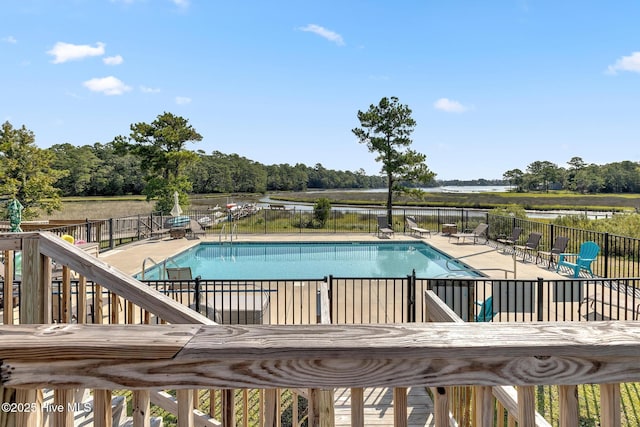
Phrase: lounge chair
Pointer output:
(195, 229)
(485, 312)
(383, 226)
(559, 246)
(511, 240)
(588, 253)
(479, 231)
(179, 273)
(530, 246)
(413, 227)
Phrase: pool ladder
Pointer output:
(224, 235)
(161, 266)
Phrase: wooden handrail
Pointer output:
(109, 277)
(318, 356)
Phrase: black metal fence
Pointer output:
(619, 255)
(367, 300)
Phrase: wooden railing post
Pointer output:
(185, 408)
(441, 406)
(7, 312)
(228, 407)
(609, 405)
(357, 407)
(102, 411)
(484, 407)
(526, 406)
(400, 407)
(568, 405)
(140, 408)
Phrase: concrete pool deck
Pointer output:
(490, 260)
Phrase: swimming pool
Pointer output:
(253, 261)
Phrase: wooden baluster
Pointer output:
(212, 403)
(7, 309)
(441, 406)
(270, 407)
(609, 405)
(228, 407)
(185, 409)
(568, 405)
(500, 415)
(526, 406)
(400, 406)
(98, 308)
(245, 408)
(82, 300)
(65, 295)
(102, 412)
(63, 401)
(115, 308)
(484, 406)
(357, 407)
(141, 407)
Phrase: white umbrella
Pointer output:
(176, 210)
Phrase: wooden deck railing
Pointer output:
(193, 353)
(141, 357)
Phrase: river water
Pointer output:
(265, 201)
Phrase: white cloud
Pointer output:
(9, 39)
(107, 85)
(626, 63)
(325, 33)
(444, 104)
(182, 100)
(64, 52)
(181, 3)
(113, 60)
(145, 89)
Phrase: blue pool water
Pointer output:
(244, 261)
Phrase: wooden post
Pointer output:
(141, 407)
(185, 408)
(440, 406)
(64, 400)
(270, 411)
(228, 407)
(568, 402)
(82, 300)
(526, 406)
(7, 313)
(65, 295)
(400, 406)
(484, 407)
(35, 308)
(357, 407)
(610, 405)
(102, 412)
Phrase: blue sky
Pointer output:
(493, 85)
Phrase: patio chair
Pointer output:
(485, 312)
(530, 246)
(384, 228)
(195, 229)
(511, 240)
(479, 231)
(179, 273)
(413, 227)
(559, 246)
(588, 253)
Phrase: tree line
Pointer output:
(617, 177)
(153, 161)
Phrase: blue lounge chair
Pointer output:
(588, 253)
(485, 312)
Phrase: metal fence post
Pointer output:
(197, 293)
(111, 241)
(606, 255)
(540, 300)
(411, 297)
